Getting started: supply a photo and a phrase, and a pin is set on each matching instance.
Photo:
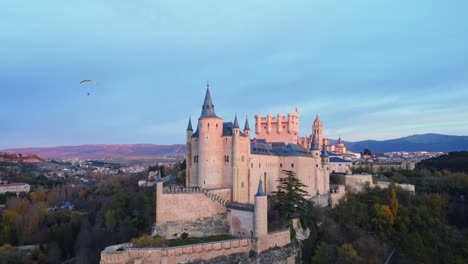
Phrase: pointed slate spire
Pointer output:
(189, 126)
(324, 152)
(260, 188)
(159, 176)
(208, 107)
(246, 127)
(314, 145)
(236, 123)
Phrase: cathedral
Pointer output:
(221, 155)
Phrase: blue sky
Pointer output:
(370, 69)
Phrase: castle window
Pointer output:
(242, 184)
(242, 158)
(281, 165)
(216, 125)
(251, 165)
(292, 165)
(259, 165)
(316, 165)
(208, 125)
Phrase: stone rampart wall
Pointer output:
(241, 222)
(407, 187)
(224, 194)
(177, 207)
(337, 192)
(182, 254)
(279, 238)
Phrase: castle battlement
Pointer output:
(279, 128)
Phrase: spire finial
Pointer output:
(260, 188)
(324, 152)
(208, 107)
(246, 127)
(314, 145)
(236, 123)
(189, 126)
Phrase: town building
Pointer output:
(6, 187)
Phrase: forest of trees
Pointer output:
(430, 226)
(110, 212)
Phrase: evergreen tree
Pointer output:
(290, 197)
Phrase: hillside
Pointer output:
(424, 142)
(20, 157)
(106, 151)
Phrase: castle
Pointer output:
(228, 179)
(220, 155)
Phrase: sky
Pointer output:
(369, 69)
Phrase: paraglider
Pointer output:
(88, 87)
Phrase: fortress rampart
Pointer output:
(182, 254)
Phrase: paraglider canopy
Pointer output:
(88, 84)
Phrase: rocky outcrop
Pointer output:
(20, 157)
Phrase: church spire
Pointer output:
(260, 188)
(189, 126)
(236, 123)
(208, 107)
(246, 127)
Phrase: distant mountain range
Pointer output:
(105, 151)
(425, 142)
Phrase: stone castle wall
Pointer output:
(179, 207)
(241, 222)
(182, 254)
(179, 211)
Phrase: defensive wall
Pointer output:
(241, 219)
(123, 255)
(194, 211)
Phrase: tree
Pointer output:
(291, 199)
(347, 253)
(367, 152)
(394, 203)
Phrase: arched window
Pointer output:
(292, 165)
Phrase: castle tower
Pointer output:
(210, 152)
(278, 128)
(247, 128)
(159, 193)
(188, 159)
(314, 147)
(324, 185)
(317, 129)
(235, 160)
(260, 214)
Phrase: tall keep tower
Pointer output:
(210, 136)
(317, 130)
(278, 128)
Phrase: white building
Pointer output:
(6, 187)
